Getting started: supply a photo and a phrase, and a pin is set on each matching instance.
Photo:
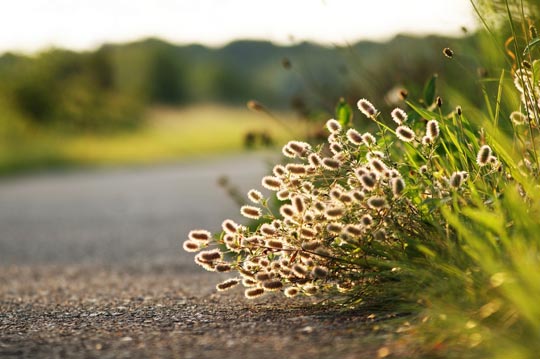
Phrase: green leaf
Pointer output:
(344, 113)
(534, 42)
(422, 112)
(536, 70)
(429, 90)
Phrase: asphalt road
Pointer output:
(122, 216)
(91, 266)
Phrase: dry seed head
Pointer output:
(518, 118)
(333, 138)
(366, 220)
(299, 270)
(405, 133)
(319, 272)
(311, 245)
(296, 169)
(335, 193)
(378, 165)
(255, 196)
(314, 160)
(223, 267)
(263, 276)
(346, 198)
(306, 232)
(358, 195)
(334, 212)
(287, 152)
(456, 180)
(271, 183)
(191, 245)
(334, 227)
(353, 230)
(399, 116)
(403, 94)
(427, 140)
(287, 211)
(398, 185)
(229, 226)
(267, 229)
(272, 285)
(432, 129)
(333, 126)
(279, 171)
(448, 52)
(228, 284)
(368, 139)
(283, 194)
(308, 187)
(298, 147)
(354, 137)
(251, 212)
(336, 148)
(483, 156)
(331, 163)
(253, 293)
(366, 108)
(249, 282)
(210, 255)
(199, 235)
(291, 292)
(368, 182)
(309, 216)
(274, 244)
(299, 204)
(376, 202)
(264, 262)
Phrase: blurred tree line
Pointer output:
(109, 88)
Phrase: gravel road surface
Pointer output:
(91, 266)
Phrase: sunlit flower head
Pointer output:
(377, 202)
(369, 139)
(271, 183)
(405, 133)
(483, 156)
(191, 245)
(367, 108)
(252, 293)
(251, 212)
(199, 235)
(333, 126)
(432, 129)
(399, 116)
(354, 137)
(228, 284)
(255, 196)
(291, 292)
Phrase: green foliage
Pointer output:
(455, 193)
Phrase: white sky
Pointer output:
(30, 25)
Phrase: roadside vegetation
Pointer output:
(434, 211)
